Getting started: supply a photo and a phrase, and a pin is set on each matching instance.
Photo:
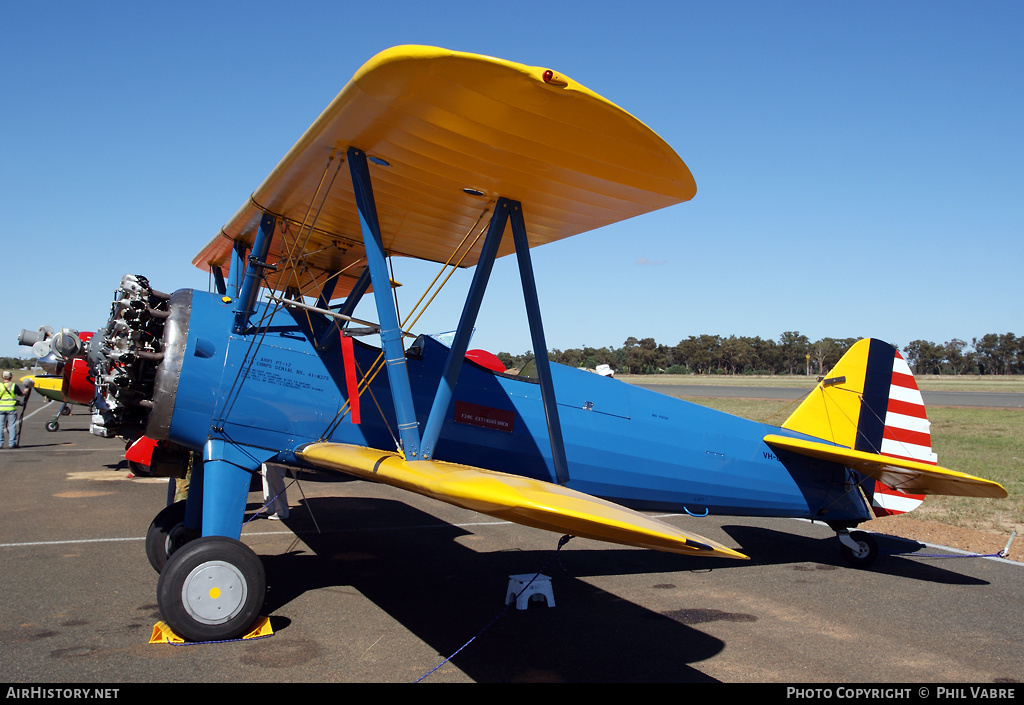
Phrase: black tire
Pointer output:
(212, 589)
(166, 534)
(66, 411)
(866, 553)
(52, 425)
(139, 470)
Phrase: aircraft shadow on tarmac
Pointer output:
(447, 594)
(411, 565)
(770, 547)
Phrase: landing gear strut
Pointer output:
(65, 410)
(213, 587)
(859, 548)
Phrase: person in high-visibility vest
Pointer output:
(9, 393)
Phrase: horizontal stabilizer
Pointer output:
(899, 473)
(522, 500)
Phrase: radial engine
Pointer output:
(125, 356)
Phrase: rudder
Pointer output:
(870, 402)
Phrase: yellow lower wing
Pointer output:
(48, 385)
(522, 500)
(905, 475)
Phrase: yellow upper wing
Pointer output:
(905, 475)
(522, 500)
(445, 121)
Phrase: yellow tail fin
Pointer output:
(869, 402)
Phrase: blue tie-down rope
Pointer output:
(561, 542)
(999, 554)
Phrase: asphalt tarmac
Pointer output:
(372, 585)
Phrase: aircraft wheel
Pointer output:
(865, 553)
(212, 589)
(166, 534)
(52, 425)
(139, 470)
(66, 411)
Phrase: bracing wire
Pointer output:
(472, 236)
(256, 341)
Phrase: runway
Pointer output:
(369, 584)
(1010, 400)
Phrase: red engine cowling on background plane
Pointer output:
(79, 385)
(62, 354)
(62, 357)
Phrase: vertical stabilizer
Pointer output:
(870, 402)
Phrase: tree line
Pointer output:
(793, 354)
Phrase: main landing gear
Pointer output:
(65, 410)
(212, 586)
(211, 589)
(166, 534)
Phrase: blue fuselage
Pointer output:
(282, 385)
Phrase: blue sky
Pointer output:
(858, 164)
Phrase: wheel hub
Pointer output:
(214, 592)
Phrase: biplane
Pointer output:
(459, 159)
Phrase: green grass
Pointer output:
(988, 443)
(935, 383)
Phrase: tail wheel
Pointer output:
(166, 534)
(211, 589)
(862, 553)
